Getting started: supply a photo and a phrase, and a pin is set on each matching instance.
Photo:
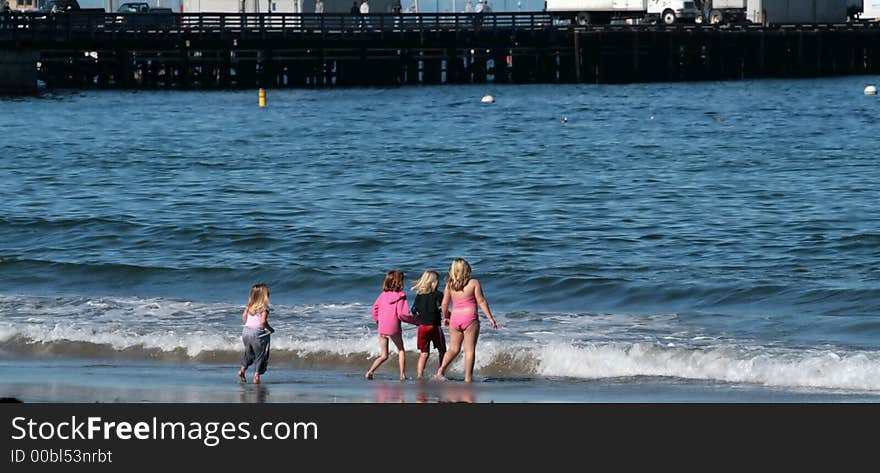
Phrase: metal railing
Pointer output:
(16, 24)
(266, 23)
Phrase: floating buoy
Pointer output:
(488, 99)
(871, 90)
(262, 97)
(564, 119)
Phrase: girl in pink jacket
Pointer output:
(389, 309)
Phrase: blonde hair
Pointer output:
(258, 301)
(459, 274)
(427, 283)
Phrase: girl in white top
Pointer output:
(256, 333)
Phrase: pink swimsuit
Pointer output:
(388, 309)
(464, 313)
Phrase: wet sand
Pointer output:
(52, 380)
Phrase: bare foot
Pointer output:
(420, 378)
(403, 377)
(439, 377)
(369, 375)
(241, 376)
(256, 379)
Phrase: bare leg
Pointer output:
(383, 346)
(471, 334)
(423, 360)
(401, 354)
(455, 338)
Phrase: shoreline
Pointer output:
(104, 381)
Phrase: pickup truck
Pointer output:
(140, 7)
(142, 14)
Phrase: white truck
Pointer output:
(586, 12)
(777, 12)
(870, 10)
(717, 12)
(239, 6)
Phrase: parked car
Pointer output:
(55, 6)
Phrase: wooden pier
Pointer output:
(197, 51)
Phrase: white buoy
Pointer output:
(488, 99)
(564, 119)
(871, 90)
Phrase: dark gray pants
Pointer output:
(256, 348)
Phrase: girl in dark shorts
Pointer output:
(426, 308)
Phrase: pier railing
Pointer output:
(18, 24)
(260, 23)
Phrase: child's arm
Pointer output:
(244, 316)
(266, 321)
(403, 306)
(444, 306)
(376, 310)
(402, 309)
(481, 300)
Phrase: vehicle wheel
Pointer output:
(582, 18)
(716, 17)
(668, 17)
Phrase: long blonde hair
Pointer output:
(259, 299)
(459, 274)
(427, 283)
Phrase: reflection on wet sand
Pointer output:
(424, 392)
(389, 392)
(253, 393)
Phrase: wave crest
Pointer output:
(765, 366)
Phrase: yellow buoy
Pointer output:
(262, 97)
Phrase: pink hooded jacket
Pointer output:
(389, 309)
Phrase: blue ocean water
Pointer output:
(722, 232)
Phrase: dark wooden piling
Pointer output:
(208, 51)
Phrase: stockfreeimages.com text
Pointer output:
(210, 433)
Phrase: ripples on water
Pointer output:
(746, 208)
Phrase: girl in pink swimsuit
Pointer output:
(389, 309)
(464, 325)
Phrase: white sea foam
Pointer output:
(559, 345)
(768, 366)
(756, 365)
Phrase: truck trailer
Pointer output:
(870, 10)
(778, 12)
(586, 12)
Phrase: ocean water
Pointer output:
(716, 236)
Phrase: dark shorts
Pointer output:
(431, 334)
